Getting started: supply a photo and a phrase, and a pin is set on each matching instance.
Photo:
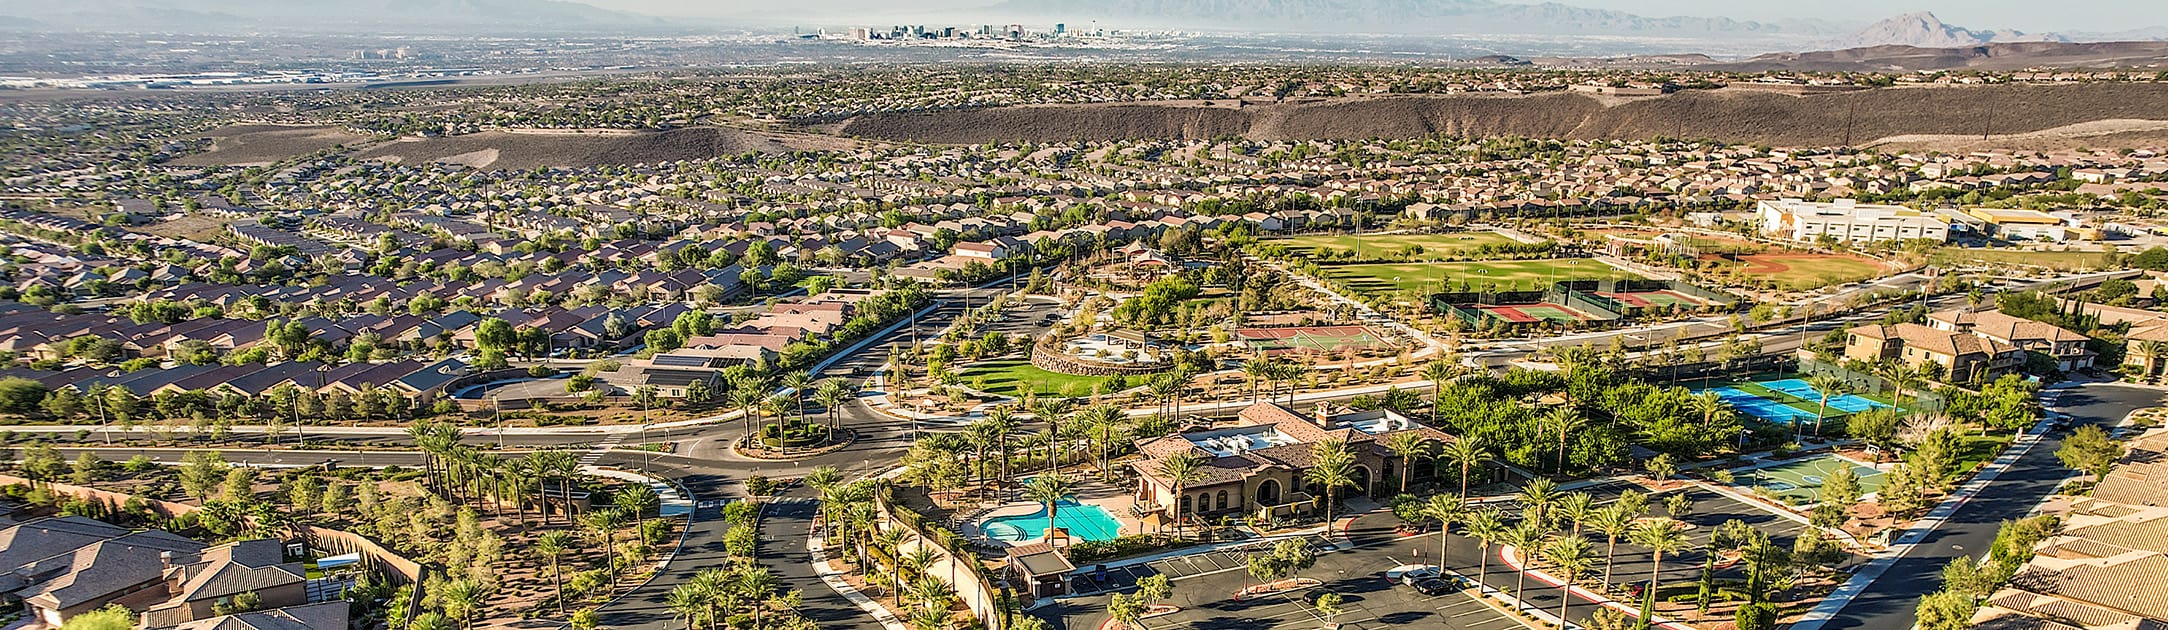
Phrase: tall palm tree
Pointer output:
(1570, 556)
(1049, 489)
(1575, 507)
(1052, 411)
(1448, 510)
(1255, 371)
(1661, 536)
(931, 592)
(1408, 445)
(1526, 537)
(1109, 419)
(1706, 404)
(686, 601)
(1612, 521)
(1003, 420)
(1335, 468)
(603, 524)
(1437, 372)
(1827, 385)
(981, 434)
(554, 545)
(1486, 526)
(1468, 452)
(714, 589)
(756, 583)
(1539, 495)
(831, 394)
(1180, 470)
(1563, 421)
(798, 382)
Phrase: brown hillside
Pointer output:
(1729, 115)
(530, 149)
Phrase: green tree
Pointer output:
(111, 617)
(1946, 610)
(2090, 451)
(1335, 469)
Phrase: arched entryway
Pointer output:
(1362, 481)
(1268, 493)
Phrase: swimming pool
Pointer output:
(1848, 403)
(1089, 522)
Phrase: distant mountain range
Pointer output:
(1394, 16)
(1924, 30)
(221, 16)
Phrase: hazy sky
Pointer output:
(2025, 15)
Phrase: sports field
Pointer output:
(1530, 313)
(1803, 271)
(1325, 339)
(1660, 299)
(1011, 377)
(1435, 246)
(1503, 275)
(1800, 482)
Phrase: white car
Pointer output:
(1409, 573)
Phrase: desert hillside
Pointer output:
(2015, 112)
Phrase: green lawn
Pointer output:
(1527, 275)
(1010, 377)
(1973, 450)
(2060, 261)
(1435, 246)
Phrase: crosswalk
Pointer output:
(609, 441)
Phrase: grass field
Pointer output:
(1810, 271)
(2060, 261)
(1435, 246)
(1526, 275)
(1011, 377)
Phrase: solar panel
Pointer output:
(669, 360)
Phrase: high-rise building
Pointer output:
(1061, 29)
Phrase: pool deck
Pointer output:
(1115, 501)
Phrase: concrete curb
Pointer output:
(825, 568)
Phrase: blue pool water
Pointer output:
(1089, 522)
(1848, 403)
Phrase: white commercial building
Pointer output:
(1847, 221)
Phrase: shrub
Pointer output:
(1095, 550)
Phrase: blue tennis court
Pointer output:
(1760, 407)
(1848, 403)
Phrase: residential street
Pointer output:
(1890, 602)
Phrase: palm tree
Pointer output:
(798, 382)
(931, 592)
(1003, 420)
(1486, 526)
(1526, 537)
(756, 582)
(636, 500)
(1180, 470)
(603, 524)
(1448, 510)
(1053, 411)
(830, 395)
(1254, 371)
(1468, 452)
(1538, 495)
(461, 599)
(1570, 556)
(1408, 445)
(1706, 404)
(1661, 536)
(1049, 489)
(1563, 421)
(714, 588)
(554, 545)
(687, 601)
(1437, 372)
(1827, 385)
(1613, 521)
(1335, 468)
(1108, 419)
(1576, 507)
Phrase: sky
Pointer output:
(2024, 15)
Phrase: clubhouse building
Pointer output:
(1255, 465)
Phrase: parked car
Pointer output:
(1432, 586)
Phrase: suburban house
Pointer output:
(196, 587)
(65, 566)
(1256, 464)
(2065, 347)
(1959, 357)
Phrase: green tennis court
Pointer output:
(1800, 482)
(1326, 339)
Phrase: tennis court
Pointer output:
(1661, 299)
(1800, 481)
(1531, 313)
(1848, 403)
(1326, 339)
(1760, 407)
